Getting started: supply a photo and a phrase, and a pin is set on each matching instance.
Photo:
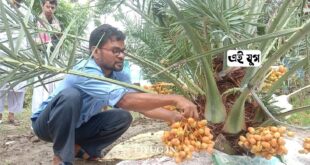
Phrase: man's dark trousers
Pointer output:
(58, 121)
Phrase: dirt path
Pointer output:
(26, 149)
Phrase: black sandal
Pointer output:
(82, 154)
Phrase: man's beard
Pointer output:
(116, 68)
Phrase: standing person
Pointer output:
(71, 117)
(48, 21)
(13, 96)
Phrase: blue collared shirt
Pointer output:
(95, 93)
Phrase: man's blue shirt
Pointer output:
(95, 93)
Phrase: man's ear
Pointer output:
(94, 51)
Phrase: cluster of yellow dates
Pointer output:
(164, 89)
(265, 141)
(160, 87)
(274, 75)
(306, 146)
(187, 136)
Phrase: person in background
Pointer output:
(48, 21)
(71, 118)
(14, 96)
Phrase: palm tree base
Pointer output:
(228, 143)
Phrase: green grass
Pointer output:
(300, 118)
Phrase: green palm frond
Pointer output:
(49, 71)
(31, 62)
(285, 13)
(229, 22)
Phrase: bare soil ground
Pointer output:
(19, 146)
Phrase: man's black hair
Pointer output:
(53, 2)
(103, 33)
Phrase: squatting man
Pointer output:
(71, 117)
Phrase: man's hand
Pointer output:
(174, 116)
(164, 114)
(188, 108)
(142, 102)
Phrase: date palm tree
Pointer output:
(183, 42)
